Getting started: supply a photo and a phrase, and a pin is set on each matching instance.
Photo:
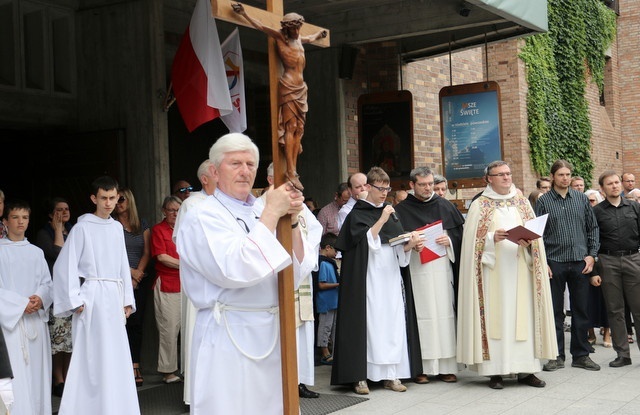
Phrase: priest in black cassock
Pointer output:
(434, 279)
(376, 332)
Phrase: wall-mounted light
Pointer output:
(464, 11)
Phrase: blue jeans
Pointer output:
(570, 274)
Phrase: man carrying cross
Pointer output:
(292, 90)
(229, 260)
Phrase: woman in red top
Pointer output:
(166, 293)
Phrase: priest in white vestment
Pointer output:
(505, 316)
(230, 258)
(434, 282)
(25, 298)
(92, 282)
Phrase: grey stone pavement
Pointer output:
(568, 391)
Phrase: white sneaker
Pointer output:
(395, 385)
(361, 388)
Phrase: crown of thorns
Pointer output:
(292, 20)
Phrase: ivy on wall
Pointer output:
(558, 63)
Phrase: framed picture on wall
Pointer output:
(471, 132)
(385, 127)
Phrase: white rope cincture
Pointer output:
(25, 338)
(219, 313)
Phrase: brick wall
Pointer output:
(629, 83)
(615, 144)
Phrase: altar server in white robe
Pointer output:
(229, 262)
(25, 298)
(505, 316)
(92, 281)
(305, 334)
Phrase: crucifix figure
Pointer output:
(292, 90)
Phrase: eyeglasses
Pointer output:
(185, 189)
(171, 210)
(507, 174)
(382, 189)
(122, 199)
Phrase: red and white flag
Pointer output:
(236, 122)
(198, 73)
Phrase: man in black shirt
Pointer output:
(618, 268)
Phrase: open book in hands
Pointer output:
(532, 229)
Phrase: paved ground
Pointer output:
(568, 391)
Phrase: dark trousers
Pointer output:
(570, 274)
(135, 321)
(621, 277)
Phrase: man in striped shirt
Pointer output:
(571, 239)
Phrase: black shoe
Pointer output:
(620, 361)
(552, 365)
(496, 382)
(585, 362)
(58, 389)
(303, 392)
(532, 380)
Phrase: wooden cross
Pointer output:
(222, 10)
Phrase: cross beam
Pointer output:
(221, 10)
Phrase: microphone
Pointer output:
(394, 216)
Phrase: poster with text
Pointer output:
(471, 130)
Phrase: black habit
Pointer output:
(350, 349)
(5, 364)
(414, 214)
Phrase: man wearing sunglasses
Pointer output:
(182, 189)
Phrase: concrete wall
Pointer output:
(121, 75)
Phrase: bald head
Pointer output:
(357, 182)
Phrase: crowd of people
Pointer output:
(75, 302)
(388, 287)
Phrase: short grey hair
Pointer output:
(438, 178)
(270, 170)
(493, 165)
(229, 143)
(419, 171)
(171, 199)
(203, 169)
(596, 193)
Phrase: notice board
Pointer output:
(471, 132)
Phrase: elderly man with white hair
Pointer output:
(230, 258)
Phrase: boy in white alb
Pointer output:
(92, 280)
(25, 295)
